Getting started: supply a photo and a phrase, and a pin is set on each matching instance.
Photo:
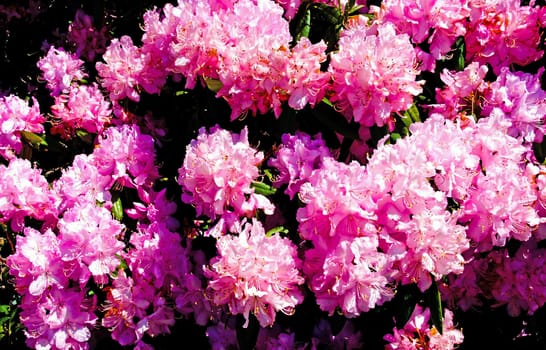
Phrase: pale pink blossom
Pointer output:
(254, 273)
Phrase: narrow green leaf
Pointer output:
(181, 92)
(275, 230)
(34, 139)
(117, 209)
(303, 25)
(413, 113)
(435, 305)
(262, 188)
(460, 52)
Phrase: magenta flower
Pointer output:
(63, 319)
(374, 73)
(217, 174)
(255, 274)
(352, 276)
(419, 334)
(82, 182)
(121, 69)
(16, 116)
(91, 241)
(83, 108)
(59, 69)
(297, 157)
(520, 97)
(435, 22)
(126, 155)
(503, 33)
(24, 192)
(36, 264)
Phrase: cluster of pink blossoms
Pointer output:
(517, 96)
(500, 279)
(217, 175)
(437, 23)
(16, 118)
(254, 273)
(296, 159)
(59, 69)
(419, 334)
(374, 73)
(503, 33)
(82, 108)
(438, 206)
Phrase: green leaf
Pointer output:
(33, 139)
(303, 24)
(262, 188)
(404, 303)
(275, 230)
(181, 93)
(117, 208)
(435, 305)
(4, 309)
(213, 85)
(460, 53)
(413, 114)
(84, 136)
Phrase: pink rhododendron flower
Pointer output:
(436, 22)
(502, 33)
(462, 95)
(24, 192)
(82, 108)
(91, 242)
(127, 69)
(82, 182)
(352, 276)
(121, 68)
(419, 334)
(520, 97)
(126, 155)
(374, 73)
(63, 319)
(297, 157)
(59, 69)
(520, 281)
(36, 264)
(500, 204)
(217, 174)
(255, 274)
(16, 117)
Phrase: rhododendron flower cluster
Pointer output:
(296, 159)
(274, 174)
(503, 33)
(255, 273)
(59, 69)
(419, 334)
(17, 117)
(374, 73)
(25, 193)
(82, 108)
(217, 175)
(438, 23)
(502, 279)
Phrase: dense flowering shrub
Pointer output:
(261, 174)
